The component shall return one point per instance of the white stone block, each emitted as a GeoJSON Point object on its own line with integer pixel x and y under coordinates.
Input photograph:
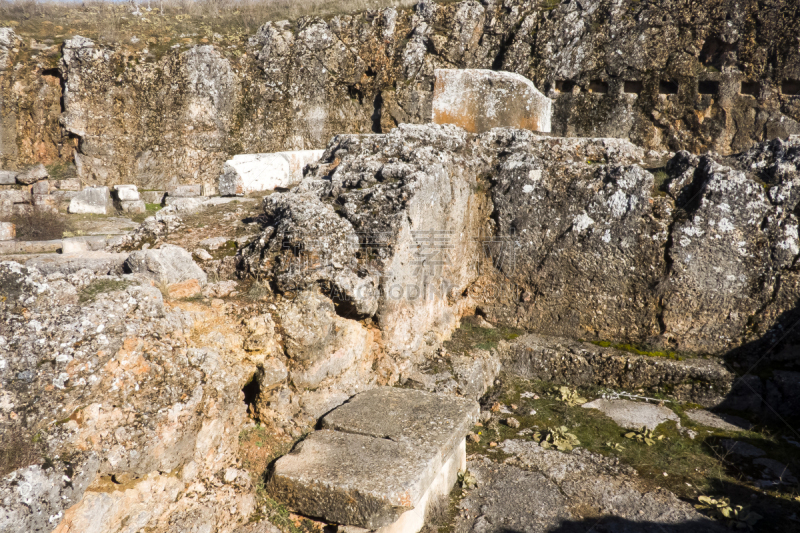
{"type": "Point", "coordinates": [7, 231]}
{"type": "Point", "coordinates": [92, 200]}
{"type": "Point", "coordinates": [479, 100]}
{"type": "Point", "coordinates": [249, 173]}
{"type": "Point", "coordinates": [134, 207]}
{"type": "Point", "coordinates": [127, 193]}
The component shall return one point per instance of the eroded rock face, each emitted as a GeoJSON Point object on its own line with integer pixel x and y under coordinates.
{"type": "Point", "coordinates": [656, 73]}
{"type": "Point", "coordinates": [139, 423]}
{"type": "Point", "coordinates": [386, 225]}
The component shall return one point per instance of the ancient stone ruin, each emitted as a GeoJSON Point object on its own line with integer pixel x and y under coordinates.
{"type": "Point", "coordinates": [479, 100]}
{"type": "Point", "coordinates": [477, 267]}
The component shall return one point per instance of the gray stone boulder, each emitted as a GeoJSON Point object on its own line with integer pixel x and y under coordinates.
{"type": "Point", "coordinates": [479, 100]}
{"type": "Point", "coordinates": [186, 191]}
{"type": "Point", "coordinates": [8, 177]}
{"type": "Point", "coordinates": [92, 200]}
{"type": "Point", "coordinates": [32, 175]}
{"type": "Point", "coordinates": [169, 264]}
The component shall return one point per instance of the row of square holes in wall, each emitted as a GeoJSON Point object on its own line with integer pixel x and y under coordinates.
{"type": "Point", "coordinates": [751, 88]}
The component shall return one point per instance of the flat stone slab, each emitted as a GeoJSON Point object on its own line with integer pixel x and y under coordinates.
{"type": "Point", "coordinates": [101, 263]}
{"type": "Point", "coordinates": [352, 479]}
{"type": "Point", "coordinates": [417, 418]}
{"type": "Point", "coordinates": [633, 415]}
{"type": "Point", "coordinates": [479, 100]}
{"type": "Point", "coordinates": [92, 200]}
{"type": "Point", "coordinates": [719, 421]}
{"type": "Point", "coordinates": [379, 460]}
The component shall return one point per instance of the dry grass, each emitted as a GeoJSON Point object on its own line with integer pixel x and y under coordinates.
{"type": "Point", "coordinates": [160, 24]}
{"type": "Point", "coordinates": [17, 450]}
{"type": "Point", "coordinates": [39, 225]}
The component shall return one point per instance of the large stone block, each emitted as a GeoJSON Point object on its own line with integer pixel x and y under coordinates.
{"type": "Point", "coordinates": [421, 419]}
{"type": "Point", "coordinates": [248, 173]}
{"type": "Point", "coordinates": [379, 461]}
{"type": "Point", "coordinates": [83, 244]}
{"type": "Point", "coordinates": [479, 100]}
{"type": "Point", "coordinates": [126, 193]}
{"type": "Point", "coordinates": [32, 175]}
{"type": "Point", "coordinates": [7, 231]}
{"type": "Point", "coordinates": [8, 177]}
{"type": "Point", "coordinates": [133, 207]}
{"type": "Point", "coordinates": [169, 264]}
{"type": "Point", "coordinates": [153, 197]}
{"type": "Point", "coordinates": [92, 200]}
{"type": "Point", "coordinates": [186, 191]}
{"type": "Point", "coordinates": [16, 196]}
{"type": "Point", "coordinates": [41, 187]}
{"type": "Point", "coordinates": [71, 184]}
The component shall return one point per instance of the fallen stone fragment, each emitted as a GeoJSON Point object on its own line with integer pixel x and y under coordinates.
{"type": "Point", "coordinates": [184, 204]}
{"type": "Point", "coordinates": [92, 200]}
{"type": "Point", "coordinates": [479, 100]}
{"type": "Point", "coordinates": [512, 422]}
{"type": "Point", "coordinates": [32, 175]}
{"type": "Point", "coordinates": [633, 415]}
{"type": "Point", "coordinates": [7, 231]}
{"type": "Point", "coordinates": [202, 254]}
{"type": "Point", "coordinates": [16, 196]}
{"type": "Point", "coordinates": [719, 421]}
{"type": "Point", "coordinates": [169, 264]}
{"type": "Point", "coordinates": [213, 243]}
{"type": "Point", "coordinates": [249, 173]}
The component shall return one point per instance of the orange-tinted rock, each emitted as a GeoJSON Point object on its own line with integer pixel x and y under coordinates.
{"type": "Point", "coordinates": [479, 100]}
{"type": "Point", "coordinates": [184, 289]}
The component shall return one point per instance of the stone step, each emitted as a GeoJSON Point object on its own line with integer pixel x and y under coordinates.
{"type": "Point", "coordinates": [379, 460]}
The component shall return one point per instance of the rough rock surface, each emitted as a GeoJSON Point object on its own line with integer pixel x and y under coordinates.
{"type": "Point", "coordinates": [169, 264]}
{"type": "Point", "coordinates": [298, 84]}
{"type": "Point", "coordinates": [138, 424]}
{"type": "Point", "coordinates": [479, 100]}
{"type": "Point", "coordinates": [567, 485]}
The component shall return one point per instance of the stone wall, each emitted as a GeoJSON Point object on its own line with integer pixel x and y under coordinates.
{"type": "Point", "coordinates": [669, 74]}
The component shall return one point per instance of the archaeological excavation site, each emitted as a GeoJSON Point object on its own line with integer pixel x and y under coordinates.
{"type": "Point", "coordinates": [399, 266]}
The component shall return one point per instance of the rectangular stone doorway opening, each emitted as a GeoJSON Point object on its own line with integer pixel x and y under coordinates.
{"type": "Point", "coordinates": [598, 86]}
{"type": "Point", "coordinates": [633, 87]}
{"type": "Point", "coordinates": [708, 87]}
{"type": "Point", "coordinates": [667, 87]}
{"type": "Point", "coordinates": [790, 87]}
{"type": "Point", "coordinates": [750, 88]}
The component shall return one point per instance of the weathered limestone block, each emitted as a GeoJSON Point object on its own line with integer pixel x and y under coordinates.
{"type": "Point", "coordinates": [92, 200]}
{"type": "Point", "coordinates": [414, 439]}
{"type": "Point", "coordinates": [99, 262]}
{"type": "Point", "coordinates": [248, 173]}
{"type": "Point", "coordinates": [83, 244]}
{"type": "Point", "coordinates": [127, 193]}
{"type": "Point", "coordinates": [32, 175]}
{"type": "Point", "coordinates": [479, 100]}
{"type": "Point", "coordinates": [7, 231]}
{"type": "Point", "coordinates": [71, 184]}
{"type": "Point", "coordinates": [186, 191]}
{"type": "Point", "coordinates": [153, 197]}
{"type": "Point", "coordinates": [8, 177]}
{"type": "Point", "coordinates": [41, 187]}
{"type": "Point", "coordinates": [16, 196]}
{"type": "Point", "coordinates": [133, 207]}
{"type": "Point", "coordinates": [169, 264]}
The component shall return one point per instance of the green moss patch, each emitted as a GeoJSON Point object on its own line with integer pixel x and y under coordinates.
{"type": "Point", "coordinates": [102, 286]}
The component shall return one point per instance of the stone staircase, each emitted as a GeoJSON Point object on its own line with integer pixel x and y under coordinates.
{"type": "Point", "coordinates": [379, 460]}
